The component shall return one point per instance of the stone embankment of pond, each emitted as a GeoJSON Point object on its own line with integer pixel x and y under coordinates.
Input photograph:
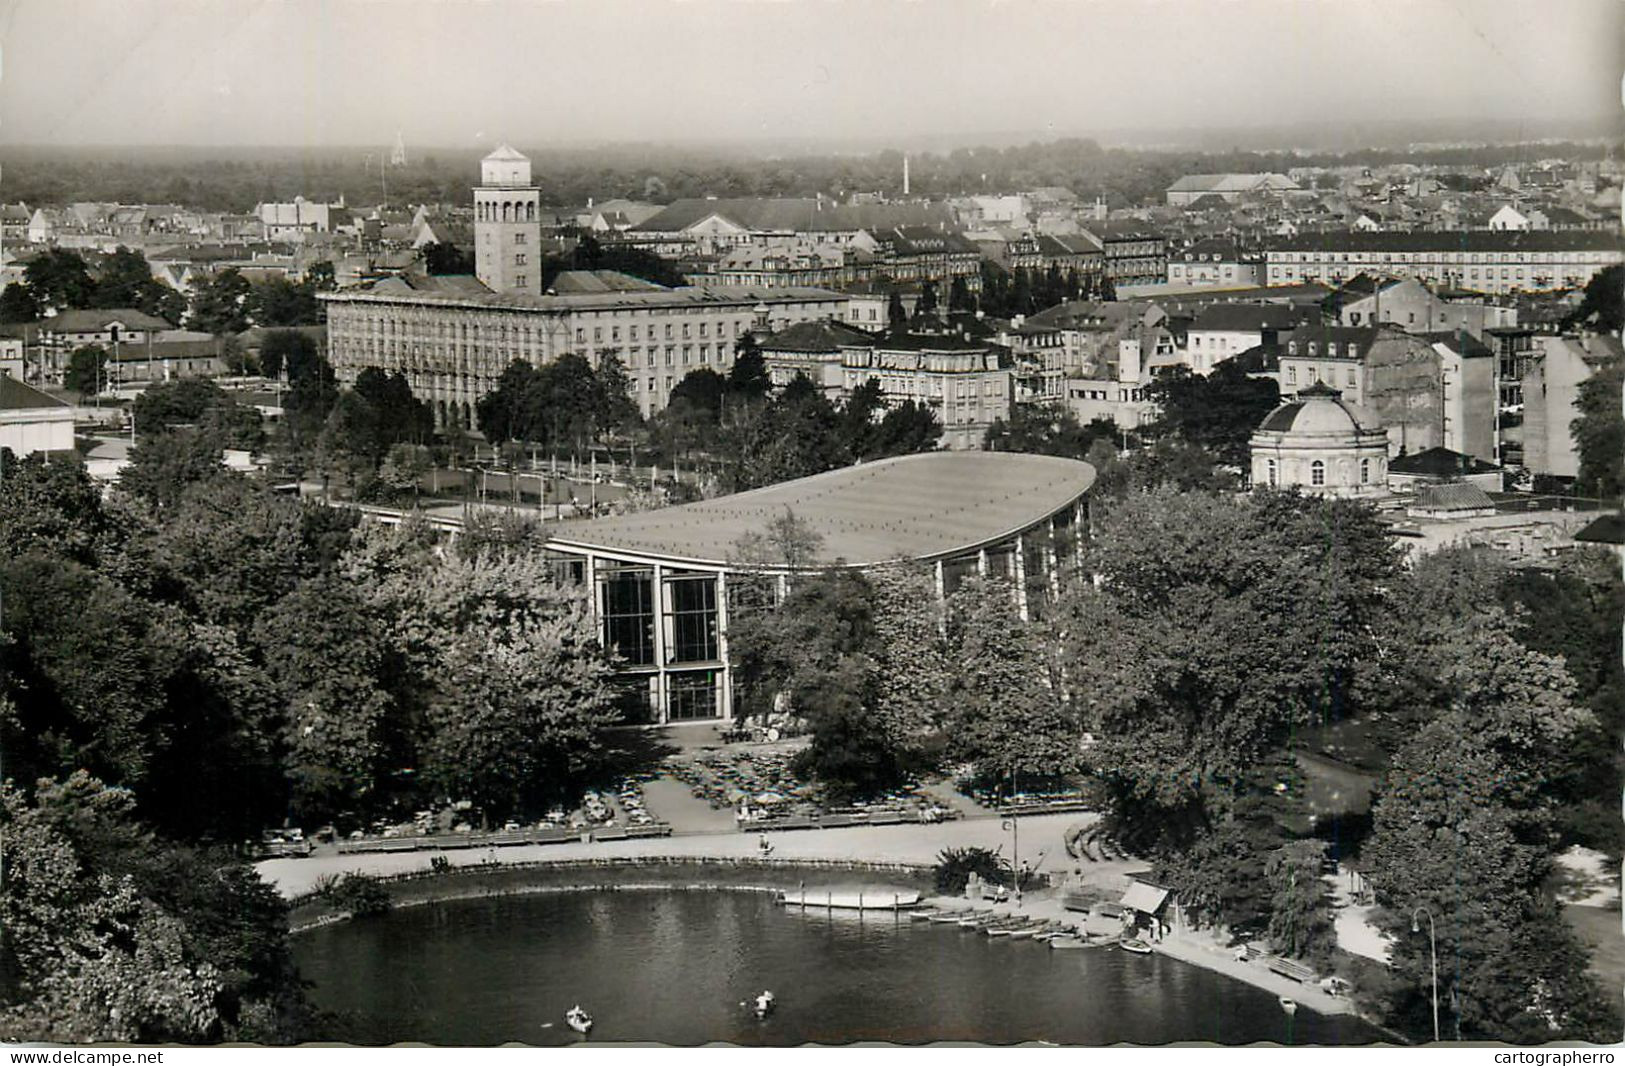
{"type": "Point", "coordinates": [421, 886]}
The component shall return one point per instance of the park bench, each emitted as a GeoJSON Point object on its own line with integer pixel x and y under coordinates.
{"type": "Point", "coordinates": [1294, 971]}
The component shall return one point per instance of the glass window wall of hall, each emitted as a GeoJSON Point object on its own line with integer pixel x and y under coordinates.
{"type": "Point", "coordinates": [691, 695]}
{"type": "Point", "coordinates": [690, 606]}
{"type": "Point", "coordinates": [626, 605]}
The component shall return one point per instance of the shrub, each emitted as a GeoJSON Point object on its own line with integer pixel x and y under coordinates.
{"type": "Point", "coordinates": [955, 865]}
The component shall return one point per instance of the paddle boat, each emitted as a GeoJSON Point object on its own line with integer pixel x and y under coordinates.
{"type": "Point", "coordinates": [1289, 1005]}
{"type": "Point", "coordinates": [764, 1004]}
{"type": "Point", "coordinates": [1135, 945]}
{"type": "Point", "coordinates": [578, 1019]}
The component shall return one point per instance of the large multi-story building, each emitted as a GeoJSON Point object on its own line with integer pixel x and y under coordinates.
{"type": "Point", "coordinates": [1132, 253]}
{"type": "Point", "coordinates": [1216, 261]}
{"type": "Point", "coordinates": [1397, 377]}
{"type": "Point", "coordinates": [968, 383]}
{"type": "Point", "coordinates": [1410, 305]}
{"type": "Point", "coordinates": [1476, 260]}
{"type": "Point", "coordinates": [452, 338]}
{"type": "Point", "coordinates": [1551, 393]}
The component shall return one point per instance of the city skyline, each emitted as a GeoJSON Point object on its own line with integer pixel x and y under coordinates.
{"type": "Point", "coordinates": [307, 73]}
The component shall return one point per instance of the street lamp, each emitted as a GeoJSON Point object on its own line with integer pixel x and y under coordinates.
{"type": "Point", "coordinates": [1433, 946]}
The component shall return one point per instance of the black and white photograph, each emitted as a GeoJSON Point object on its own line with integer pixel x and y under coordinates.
{"type": "Point", "coordinates": [781, 523]}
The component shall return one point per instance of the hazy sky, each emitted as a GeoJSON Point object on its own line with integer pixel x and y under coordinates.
{"type": "Point", "coordinates": [467, 72]}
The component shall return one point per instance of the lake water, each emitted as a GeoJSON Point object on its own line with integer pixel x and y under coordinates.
{"type": "Point", "coordinates": [675, 967]}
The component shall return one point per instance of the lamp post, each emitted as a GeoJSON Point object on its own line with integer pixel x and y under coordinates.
{"type": "Point", "coordinates": [1433, 947]}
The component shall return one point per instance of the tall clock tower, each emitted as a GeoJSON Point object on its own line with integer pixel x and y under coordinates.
{"type": "Point", "coordinates": [507, 224]}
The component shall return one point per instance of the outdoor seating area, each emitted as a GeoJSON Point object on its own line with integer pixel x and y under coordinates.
{"type": "Point", "coordinates": [1058, 797]}
{"type": "Point", "coordinates": [762, 789]}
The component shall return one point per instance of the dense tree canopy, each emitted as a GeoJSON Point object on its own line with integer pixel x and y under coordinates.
{"type": "Point", "coordinates": [1218, 412]}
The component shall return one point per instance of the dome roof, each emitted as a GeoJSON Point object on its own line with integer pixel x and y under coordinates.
{"type": "Point", "coordinates": [1319, 409]}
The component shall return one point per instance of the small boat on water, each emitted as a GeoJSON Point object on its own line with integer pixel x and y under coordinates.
{"type": "Point", "coordinates": [1289, 1005]}
{"type": "Point", "coordinates": [945, 917]}
{"type": "Point", "coordinates": [764, 1004]}
{"type": "Point", "coordinates": [578, 1019]}
{"type": "Point", "coordinates": [1068, 943]}
{"type": "Point", "coordinates": [1135, 945]}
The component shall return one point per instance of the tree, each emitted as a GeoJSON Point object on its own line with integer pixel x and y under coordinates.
{"type": "Point", "coordinates": [927, 306]}
{"type": "Point", "coordinates": [1218, 412]}
{"type": "Point", "coordinates": [1042, 429]}
{"type": "Point", "coordinates": [52, 508]}
{"type": "Point", "coordinates": [959, 297]}
{"type": "Point", "coordinates": [83, 674]}
{"type": "Point", "coordinates": [858, 417]}
{"type": "Point", "coordinates": [1005, 714]}
{"type": "Point", "coordinates": [163, 465]}
{"type": "Point", "coordinates": [112, 934]}
{"type": "Point", "coordinates": [1204, 653]}
{"type": "Point", "coordinates": [794, 434]}
{"type": "Point", "coordinates": [520, 712]}
{"type": "Point", "coordinates": [405, 467]}
{"type": "Point", "coordinates": [896, 313]}
{"type": "Point", "coordinates": [913, 673]}
{"type": "Point", "coordinates": [321, 277]}
{"type": "Point", "coordinates": [443, 259]}
{"type": "Point", "coordinates": [1599, 431]}
{"type": "Point", "coordinates": [287, 349]}
{"type": "Point", "coordinates": [905, 429]}
{"type": "Point", "coordinates": [1445, 836]}
{"type": "Point", "coordinates": [851, 755]}
{"type": "Point", "coordinates": [86, 372]}
{"type": "Point", "coordinates": [1603, 306]}
{"type": "Point", "coordinates": [748, 378]}
{"type": "Point", "coordinates": [125, 279]}
{"type": "Point", "coordinates": [18, 304]}
{"type": "Point", "coordinates": [701, 392]}
{"type": "Point", "coordinates": [1300, 905]}
{"type": "Point", "coordinates": [278, 302]}
{"type": "Point", "coordinates": [220, 304]}
{"type": "Point", "coordinates": [325, 657]}
{"type": "Point", "coordinates": [58, 278]}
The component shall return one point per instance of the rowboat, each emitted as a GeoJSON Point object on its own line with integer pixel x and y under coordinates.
{"type": "Point", "coordinates": [578, 1019]}
{"type": "Point", "coordinates": [1136, 946]}
{"type": "Point", "coordinates": [1289, 1005]}
{"type": "Point", "coordinates": [1068, 943]}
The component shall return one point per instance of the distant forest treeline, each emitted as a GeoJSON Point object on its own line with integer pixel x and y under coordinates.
{"type": "Point", "coordinates": [228, 179]}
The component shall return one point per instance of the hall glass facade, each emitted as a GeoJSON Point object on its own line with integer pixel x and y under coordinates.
{"type": "Point", "coordinates": [667, 620]}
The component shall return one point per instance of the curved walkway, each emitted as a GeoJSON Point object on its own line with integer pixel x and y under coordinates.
{"type": "Point", "coordinates": [1041, 848]}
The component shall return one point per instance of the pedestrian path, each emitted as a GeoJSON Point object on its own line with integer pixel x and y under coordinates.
{"type": "Point", "coordinates": [906, 843]}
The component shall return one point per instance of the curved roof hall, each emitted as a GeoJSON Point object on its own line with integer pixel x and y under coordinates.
{"type": "Point", "coordinates": [926, 506]}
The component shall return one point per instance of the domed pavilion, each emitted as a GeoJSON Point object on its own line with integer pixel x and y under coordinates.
{"type": "Point", "coordinates": [1323, 445]}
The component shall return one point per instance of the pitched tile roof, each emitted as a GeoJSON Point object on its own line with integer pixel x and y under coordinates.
{"type": "Point", "coordinates": [95, 321]}
{"type": "Point", "coordinates": [823, 336]}
{"type": "Point", "coordinates": [1439, 462]}
{"type": "Point", "coordinates": [16, 396]}
{"type": "Point", "coordinates": [1455, 496]}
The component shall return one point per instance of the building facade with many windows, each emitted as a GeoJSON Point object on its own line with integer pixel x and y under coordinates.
{"type": "Point", "coordinates": [665, 584]}
{"type": "Point", "coordinates": [1475, 260]}
{"type": "Point", "coordinates": [453, 342]}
